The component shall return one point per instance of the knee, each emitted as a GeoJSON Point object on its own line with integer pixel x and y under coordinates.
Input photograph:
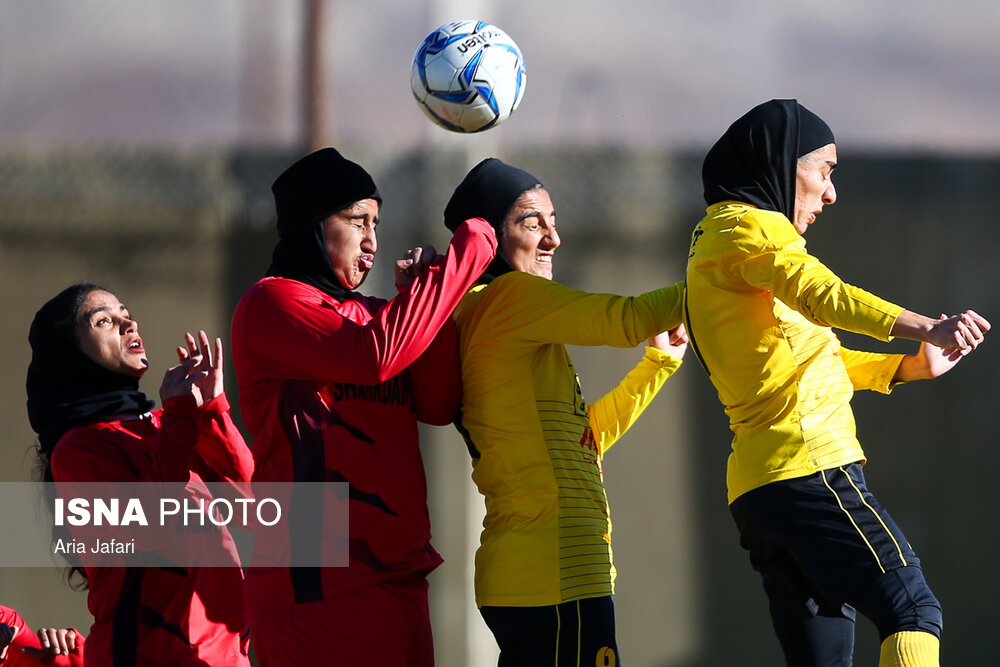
{"type": "Point", "coordinates": [912, 605]}
{"type": "Point", "coordinates": [926, 618]}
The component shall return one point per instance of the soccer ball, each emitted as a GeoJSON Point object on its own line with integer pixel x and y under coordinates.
{"type": "Point", "coordinates": [468, 76]}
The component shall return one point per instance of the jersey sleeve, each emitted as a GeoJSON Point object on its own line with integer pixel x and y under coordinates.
{"type": "Point", "coordinates": [221, 450]}
{"type": "Point", "coordinates": [871, 370]}
{"type": "Point", "coordinates": [540, 311]}
{"type": "Point", "coordinates": [615, 412]}
{"type": "Point", "coordinates": [436, 379]}
{"type": "Point", "coordinates": [290, 333]}
{"type": "Point", "coordinates": [775, 259]}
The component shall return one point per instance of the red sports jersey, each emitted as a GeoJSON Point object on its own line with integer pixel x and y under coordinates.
{"type": "Point", "coordinates": [332, 391]}
{"type": "Point", "coordinates": [26, 638]}
{"type": "Point", "coordinates": [150, 615]}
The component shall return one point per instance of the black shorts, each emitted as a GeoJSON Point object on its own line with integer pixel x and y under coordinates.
{"type": "Point", "coordinates": [572, 634]}
{"type": "Point", "coordinates": [825, 547]}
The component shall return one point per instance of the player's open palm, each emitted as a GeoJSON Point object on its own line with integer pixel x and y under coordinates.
{"type": "Point", "coordinates": [199, 373]}
{"type": "Point", "coordinates": [208, 366]}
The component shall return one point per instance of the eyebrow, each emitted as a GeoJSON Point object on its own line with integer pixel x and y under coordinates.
{"type": "Point", "coordinates": [364, 216]}
{"type": "Point", "coordinates": [101, 309]}
{"type": "Point", "coordinates": [533, 213]}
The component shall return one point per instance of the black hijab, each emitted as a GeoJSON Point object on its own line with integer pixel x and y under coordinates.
{"type": "Point", "coordinates": [755, 160]}
{"type": "Point", "coordinates": [66, 388]}
{"type": "Point", "coordinates": [305, 194]}
{"type": "Point", "coordinates": [488, 191]}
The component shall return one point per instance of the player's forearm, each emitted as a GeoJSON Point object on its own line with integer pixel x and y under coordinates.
{"type": "Point", "coordinates": [912, 367]}
{"type": "Point", "coordinates": [913, 326]}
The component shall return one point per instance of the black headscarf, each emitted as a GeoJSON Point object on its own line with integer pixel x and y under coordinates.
{"type": "Point", "coordinates": [66, 388]}
{"type": "Point", "coordinates": [755, 160]}
{"type": "Point", "coordinates": [488, 191]}
{"type": "Point", "coordinates": [305, 194]}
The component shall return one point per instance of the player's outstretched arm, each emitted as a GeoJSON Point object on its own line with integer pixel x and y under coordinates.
{"type": "Point", "coordinates": [964, 331]}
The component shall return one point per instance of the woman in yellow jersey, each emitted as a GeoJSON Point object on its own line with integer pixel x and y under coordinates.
{"type": "Point", "coordinates": [544, 572]}
{"type": "Point", "coordinates": [759, 311]}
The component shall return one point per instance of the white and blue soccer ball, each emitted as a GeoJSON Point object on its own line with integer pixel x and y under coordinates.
{"type": "Point", "coordinates": [468, 76]}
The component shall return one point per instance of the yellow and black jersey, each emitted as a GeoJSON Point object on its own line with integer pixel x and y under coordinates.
{"type": "Point", "coordinates": [537, 445]}
{"type": "Point", "coordinates": [759, 311]}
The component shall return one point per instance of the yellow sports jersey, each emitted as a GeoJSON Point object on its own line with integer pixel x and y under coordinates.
{"type": "Point", "coordinates": [537, 446]}
{"type": "Point", "coordinates": [759, 310]}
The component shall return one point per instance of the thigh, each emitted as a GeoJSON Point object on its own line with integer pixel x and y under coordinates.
{"type": "Point", "coordinates": [598, 645]}
{"type": "Point", "coordinates": [570, 634]}
{"type": "Point", "coordinates": [900, 600]}
{"type": "Point", "coordinates": [812, 632]}
{"type": "Point", "coordinates": [830, 525]}
{"type": "Point", "coordinates": [813, 628]}
{"type": "Point", "coordinates": [863, 558]}
{"type": "Point", "coordinates": [840, 545]}
{"type": "Point", "coordinates": [526, 636]}
{"type": "Point", "coordinates": [421, 647]}
{"type": "Point", "coordinates": [380, 625]}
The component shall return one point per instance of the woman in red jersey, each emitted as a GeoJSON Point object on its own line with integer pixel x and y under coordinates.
{"type": "Point", "coordinates": [332, 385]}
{"type": "Point", "coordinates": [94, 425]}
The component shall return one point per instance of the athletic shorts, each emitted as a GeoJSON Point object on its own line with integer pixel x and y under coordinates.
{"type": "Point", "coordinates": [572, 634]}
{"type": "Point", "coordinates": [825, 547]}
{"type": "Point", "coordinates": [388, 624]}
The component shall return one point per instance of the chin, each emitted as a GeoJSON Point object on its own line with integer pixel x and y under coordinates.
{"type": "Point", "coordinates": [353, 282]}
{"type": "Point", "coordinates": [136, 372]}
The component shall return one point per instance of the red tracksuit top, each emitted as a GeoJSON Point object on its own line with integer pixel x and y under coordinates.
{"type": "Point", "coordinates": [332, 391]}
{"type": "Point", "coordinates": [151, 615]}
{"type": "Point", "coordinates": [26, 638]}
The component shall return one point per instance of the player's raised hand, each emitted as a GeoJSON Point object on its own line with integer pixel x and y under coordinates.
{"type": "Point", "coordinates": [199, 373]}
{"type": "Point", "coordinates": [413, 263]}
{"type": "Point", "coordinates": [930, 361]}
{"type": "Point", "coordinates": [208, 367]}
{"type": "Point", "coordinates": [964, 331]}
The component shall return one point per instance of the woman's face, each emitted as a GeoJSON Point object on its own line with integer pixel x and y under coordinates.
{"type": "Point", "coordinates": [351, 241]}
{"type": "Point", "coordinates": [109, 336]}
{"type": "Point", "coordinates": [529, 238]}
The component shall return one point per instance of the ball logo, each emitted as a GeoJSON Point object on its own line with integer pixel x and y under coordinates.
{"type": "Point", "coordinates": [480, 39]}
{"type": "Point", "coordinates": [605, 657]}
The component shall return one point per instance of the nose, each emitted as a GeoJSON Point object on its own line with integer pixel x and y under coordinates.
{"type": "Point", "coordinates": [551, 238]}
{"type": "Point", "coordinates": [130, 326]}
{"type": "Point", "coordinates": [830, 194]}
{"type": "Point", "coordinates": [369, 242]}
